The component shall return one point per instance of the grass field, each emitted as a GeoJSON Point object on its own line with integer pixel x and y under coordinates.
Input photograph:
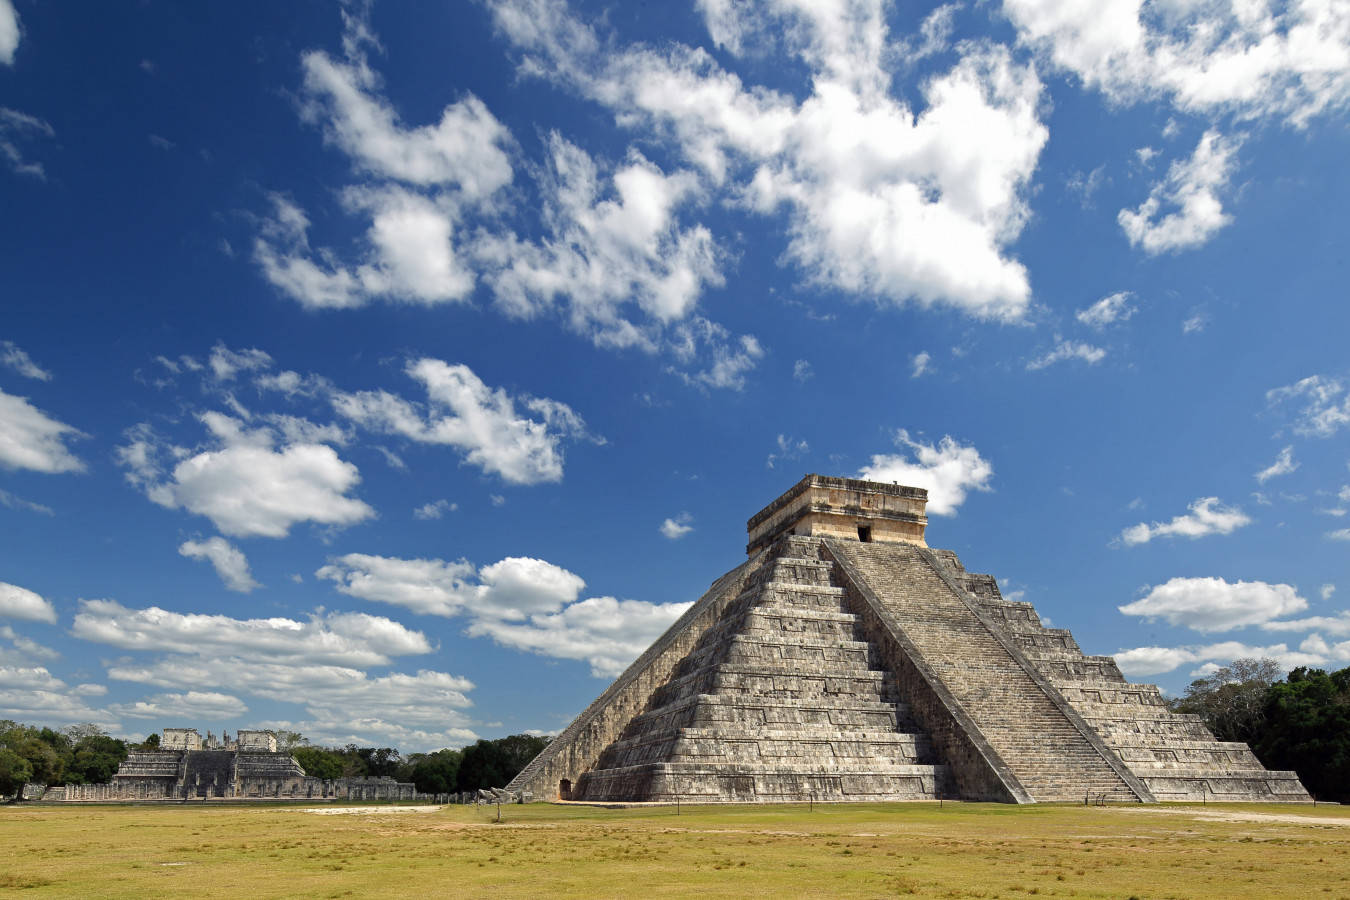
{"type": "Point", "coordinates": [881, 850]}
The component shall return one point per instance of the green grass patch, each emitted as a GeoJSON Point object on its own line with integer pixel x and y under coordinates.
{"type": "Point", "coordinates": [872, 850]}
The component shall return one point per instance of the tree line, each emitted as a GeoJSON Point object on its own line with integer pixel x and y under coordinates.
{"type": "Point", "coordinates": [84, 754]}
{"type": "Point", "coordinates": [1299, 722]}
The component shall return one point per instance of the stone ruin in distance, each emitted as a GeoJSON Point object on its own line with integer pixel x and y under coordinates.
{"type": "Point", "coordinates": [846, 660]}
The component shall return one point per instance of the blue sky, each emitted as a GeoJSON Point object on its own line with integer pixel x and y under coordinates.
{"type": "Point", "coordinates": [396, 373]}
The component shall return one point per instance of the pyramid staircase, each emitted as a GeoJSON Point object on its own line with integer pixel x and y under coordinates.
{"type": "Point", "coordinates": [1174, 754]}
{"type": "Point", "coordinates": [781, 699]}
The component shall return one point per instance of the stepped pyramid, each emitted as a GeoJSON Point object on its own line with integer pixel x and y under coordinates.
{"type": "Point", "coordinates": [845, 660]}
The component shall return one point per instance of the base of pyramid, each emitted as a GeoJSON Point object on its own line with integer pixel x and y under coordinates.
{"type": "Point", "coordinates": [700, 783]}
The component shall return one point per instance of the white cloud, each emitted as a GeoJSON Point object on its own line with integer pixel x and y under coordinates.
{"type": "Point", "coordinates": [481, 422]}
{"type": "Point", "coordinates": [242, 484]}
{"type": "Point", "coordinates": [9, 501]}
{"type": "Point", "coordinates": [230, 564]}
{"type": "Point", "coordinates": [434, 510]}
{"type": "Point", "coordinates": [605, 250]}
{"type": "Point", "coordinates": [30, 439]}
{"type": "Point", "coordinates": [466, 149]}
{"type": "Point", "coordinates": [22, 650]}
{"type": "Point", "coordinates": [884, 202]}
{"type": "Point", "coordinates": [678, 527]}
{"type": "Point", "coordinates": [32, 694]}
{"type": "Point", "coordinates": [788, 448]}
{"type": "Point", "coordinates": [1066, 350]}
{"type": "Point", "coordinates": [511, 588]}
{"type": "Point", "coordinates": [1253, 60]}
{"type": "Point", "coordinates": [1194, 324]}
{"type": "Point", "coordinates": [1207, 516]}
{"type": "Point", "coordinates": [1327, 591]}
{"type": "Point", "coordinates": [21, 603]}
{"type": "Point", "coordinates": [728, 360]}
{"type": "Point", "coordinates": [345, 704]}
{"type": "Point", "coordinates": [919, 362]}
{"type": "Point", "coordinates": [191, 706]}
{"type": "Point", "coordinates": [226, 364]}
{"type": "Point", "coordinates": [348, 639]}
{"type": "Point", "coordinates": [1155, 660]}
{"type": "Point", "coordinates": [15, 128]}
{"type": "Point", "coordinates": [605, 632]}
{"type": "Point", "coordinates": [14, 356]}
{"type": "Point", "coordinates": [1325, 404]}
{"type": "Point", "coordinates": [802, 372]}
{"type": "Point", "coordinates": [1212, 604]}
{"type": "Point", "coordinates": [528, 604]}
{"type": "Point", "coordinates": [1283, 465]}
{"type": "Point", "coordinates": [1340, 534]}
{"type": "Point", "coordinates": [1338, 624]}
{"type": "Point", "coordinates": [1191, 191]}
{"type": "Point", "coordinates": [948, 471]}
{"type": "Point", "coordinates": [1106, 311]}
{"type": "Point", "coordinates": [9, 32]}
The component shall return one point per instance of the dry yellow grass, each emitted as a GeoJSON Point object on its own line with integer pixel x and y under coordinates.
{"type": "Point", "coordinates": [881, 850]}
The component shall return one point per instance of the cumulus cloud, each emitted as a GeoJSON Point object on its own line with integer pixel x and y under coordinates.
{"type": "Point", "coordinates": [1283, 465]}
{"type": "Point", "coordinates": [343, 639]}
{"type": "Point", "coordinates": [230, 564]}
{"type": "Point", "coordinates": [1323, 405]}
{"type": "Point", "coordinates": [678, 527]}
{"type": "Point", "coordinates": [9, 32]}
{"type": "Point", "coordinates": [520, 602]}
{"type": "Point", "coordinates": [919, 363]}
{"type": "Point", "coordinates": [17, 358]}
{"type": "Point", "coordinates": [482, 422]}
{"type": "Point", "coordinates": [434, 510]}
{"type": "Point", "coordinates": [1191, 193]}
{"type": "Point", "coordinates": [193, 705]}
{"type": "Point", "coordinates": [1142, 661]}
{"type": "Point", "coordinates": [243, 482]}
{"type": "Point", "coordinates": [802, 371]}
{"type": "Point", "coordinates": [607, 633]}
{"type": "Point", "coordinates": [728, 360]}
{"type": "Point", "coordinates": [1207, 516]}
{"type": "Point", "coordinates": [606, 247]}
{"type": "Point", "coordinates": [344, 704]}
{"type": "Point", "coordinates": [21, 603]}
{"type": "Point", "coordinates": [1212, 604]}
{"type": "Point", "coordinates": [225, 363]}
{"type": "Point", "coordinates": [948, 471]}
{"type": "Point", "coordinates": [1340, 534]}
{"type": "Point", "coordinates": [30, 439]}
{"type": "Point", "coordinates": [1066, 350]}
{"type": "Point", "coordinates": [1107, 311]}
{"type": "Point", "coordinates": [33, 694]}
{"type": "Point", "coordinates": [1251, 60]}
{"type": "Point", "coordinates": [907, 208]}
{"type": "Point", "coordinates": [22, 650]}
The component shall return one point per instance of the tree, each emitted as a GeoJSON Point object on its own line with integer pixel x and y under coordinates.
{"type": "Point", "coordinates": [318, 762]}
{"type": "Point", "coordinates": [1232, 699]}
{"type": "Point", "coordinates": [489, 764]}
{"type": "Point", "coordinates": [287, 741]}
{"type": "Point", "coordinates": [151, 741]}
{"type": "Point", "coordinates": [1307, 729]}
{"type": "Point", "coordinates": [95, 759]}
{"type": "Point", "coordinates": [436, 773]}
{"type": "Point", "coordinates": [15, 772]}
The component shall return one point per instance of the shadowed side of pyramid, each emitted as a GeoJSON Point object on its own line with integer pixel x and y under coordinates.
{"type": "Point", "coordinates": [847, 661]}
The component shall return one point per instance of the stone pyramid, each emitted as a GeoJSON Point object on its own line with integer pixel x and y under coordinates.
{"type": "Point", "coordinates": [845, 660]}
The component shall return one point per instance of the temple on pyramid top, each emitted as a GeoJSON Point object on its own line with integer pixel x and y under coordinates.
{"type": "Point", "coordinates": [845, 660]}
{"type": "Point", "coordinates": [845, 508]}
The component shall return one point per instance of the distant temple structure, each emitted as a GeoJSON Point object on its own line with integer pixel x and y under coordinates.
{"type": "Point", "coordinates": [247, 767]}
{"type": "Point", "coordinates": [845, 660]}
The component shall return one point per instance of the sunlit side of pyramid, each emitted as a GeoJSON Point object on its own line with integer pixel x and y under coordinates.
{"type": "Point", "coordinates": [845, 660]}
